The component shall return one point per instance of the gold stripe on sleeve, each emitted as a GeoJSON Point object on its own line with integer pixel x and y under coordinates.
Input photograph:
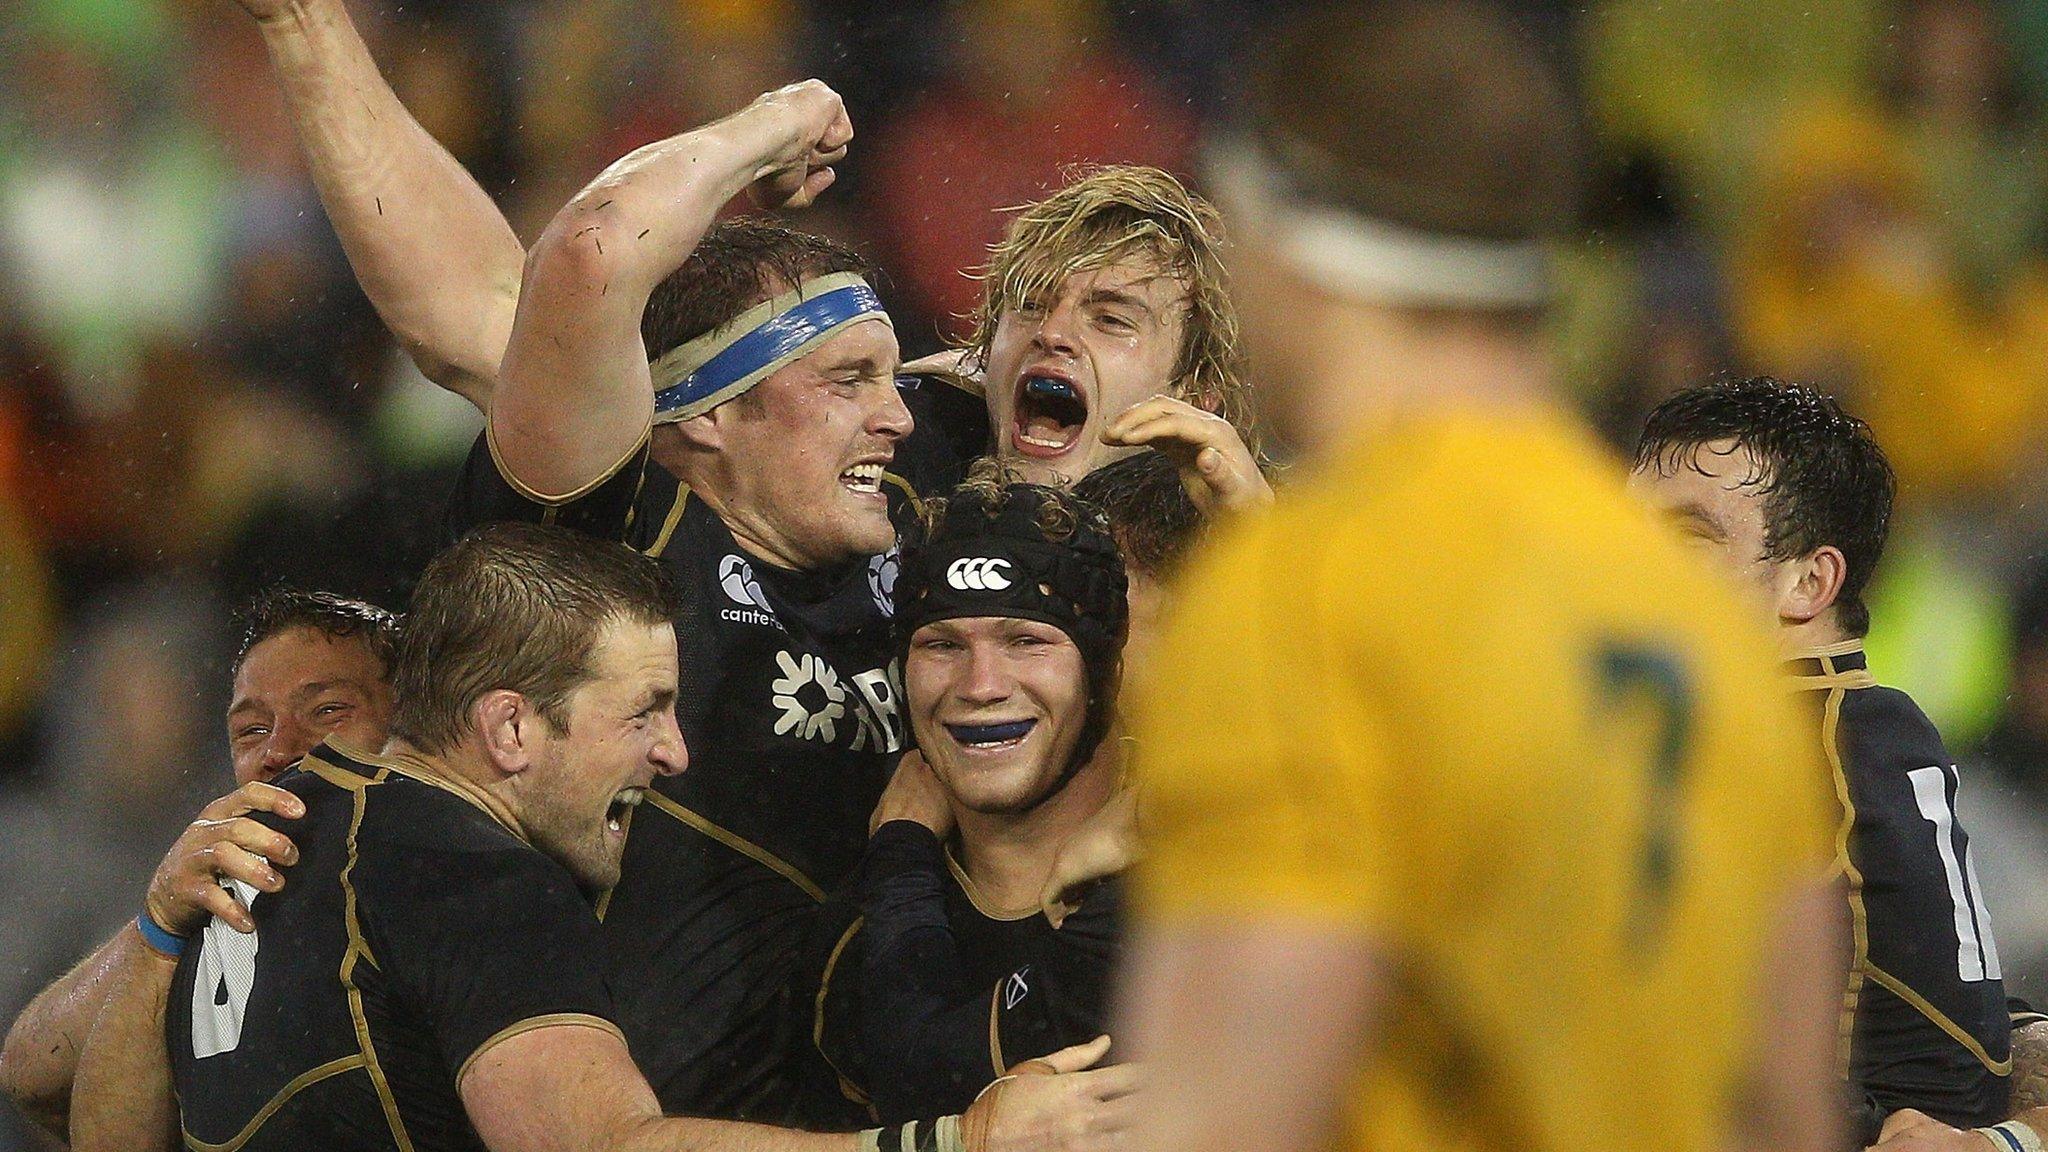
{"type": "Point", "coordinates": [552, 502]}
{"type": "Point", "coordinates": [533, 1024]}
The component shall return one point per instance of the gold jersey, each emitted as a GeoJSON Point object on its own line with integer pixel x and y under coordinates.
{"type": "Point", "coordinates": [1459, 692]}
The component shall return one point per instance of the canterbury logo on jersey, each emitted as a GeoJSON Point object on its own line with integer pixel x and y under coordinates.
{"type": "Point", "coordinates": [978, 574]}
{"type": "Point", "coordinates": [736, 577]}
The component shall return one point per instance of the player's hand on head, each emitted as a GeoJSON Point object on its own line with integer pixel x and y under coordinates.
{"type": "Point", "coordinates": [1908, 1130]}
{"type": "Point", "coordinates": [914, 793]}
{"type": "Point", "coordinates": [224, 843]}
{"type": "Point", "coordinates": [1057, 1103]}
{"type": "Point", "coordinates": [1215, 465]}
{"type": "Point", "coordinates": [811, 132]}
{"type": "Point", "coordinates": [959, 363]}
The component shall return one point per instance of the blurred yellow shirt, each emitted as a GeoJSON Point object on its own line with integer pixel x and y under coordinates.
{"type": "Point", "coordinates": [1458, 691]}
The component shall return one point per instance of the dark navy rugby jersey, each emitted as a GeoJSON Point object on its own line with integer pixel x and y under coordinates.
{"type": "Point", "coordinates": [788, 703]}
{"type": "Point", "coordinates": [1927, 1024]}
{"type": "Point", "coordinates": [414, 932]}
{"type": "Point", "coordinates": [915, 997]}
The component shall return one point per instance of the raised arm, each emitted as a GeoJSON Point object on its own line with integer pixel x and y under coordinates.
{"type": "Point", "coordinates": [41, 1056]}
{"type": "Point", "coordinates": [575, 395]}
{"type": "Point", "coordinates": [432, 252]}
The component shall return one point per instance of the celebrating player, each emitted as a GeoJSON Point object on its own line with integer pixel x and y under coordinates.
{"type": "Point", "coordinates": [936, 973]}
{"type": "Point", "coordinates": [432, 977]}
{"type": "Point", "coordinates": [313, 666]}
{"type": "Point", "coordinates": [770, 521]}
{"type": "Point", "coordinates": [1795, 496]}
{"type": "Point", "coordinates": [1451, 760]}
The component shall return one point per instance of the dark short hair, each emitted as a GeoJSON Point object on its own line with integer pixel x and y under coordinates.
{"type": "Point", "coordinates": [1441, 115]}
{"type": "Point", "coordinates": [1823, 478]}
{"type": "Point", "coordinates": [737, 264]}
{"type": "Point", "coordinates": [517, 607]}
{"type": "Point", "coordinates": [280, 609]}
{"type": "Point", "coordinates": [1150, 513]}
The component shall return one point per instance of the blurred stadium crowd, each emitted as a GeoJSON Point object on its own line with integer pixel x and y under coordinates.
{"type": "Point", "coordinates": [195, 400]}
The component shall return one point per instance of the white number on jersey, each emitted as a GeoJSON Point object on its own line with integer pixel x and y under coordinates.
{"type": "Point", "coordinates": [227, 974]}
{"type": "Point", "coordinates": [1976, 951]}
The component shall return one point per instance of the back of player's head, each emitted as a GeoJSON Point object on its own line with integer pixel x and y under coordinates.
{"type": "Point", "coordinates": [1822, 476]}
{"type": "Point", "coordinates": [277, 610]}
{"type": "Point", "coordinates": [1104, 216]}
{"type": "Point", "coordinates": [1410, 152]}
{"type": "Point", "coordinates": [1150, 513]}
{"type": "Point", "coordinates": [515, 607]}
{"type": "Point", "coordinates": [738, 264]}
{"type": "Point", "coordinates": [995, 546]}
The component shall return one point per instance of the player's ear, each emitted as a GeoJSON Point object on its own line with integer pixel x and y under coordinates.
{"type": "Point", "coordinates": [1821, 576]}
{"type": "Point", "coordinates": [704, 432]}
{"type": "Point", "coordinates": [506, 723]}
{"type": "Point", "coordinates": [1191, 389]}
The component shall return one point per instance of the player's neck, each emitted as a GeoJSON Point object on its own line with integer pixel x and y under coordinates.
{"type": "Point", "coordinates": [1386, 365]}
{"type": "Point", "coordinates": [468, 775]}
{"type": "Point", "coordinates": [1823, 631]}
{"type": "Point", "coordinates": [1009, 857]}
{"type": "Point", "coordinates": [709, 480]}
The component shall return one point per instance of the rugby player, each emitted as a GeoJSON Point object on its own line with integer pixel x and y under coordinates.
{"type": "Point", "coordinates": [438, 983]}
{"type": "Point", "coordinates": [1100, 299]}
{"type": "Point", "coordinates": [1793, 495]}
{"type": "Point", "coordinates": [935, 972]}
{"type": "Point", "coordinates": [787, 633]}
{"type": "Point", "coordinates": [1450, 759]}
{"type": "Point", "coordinates": [312, 666]}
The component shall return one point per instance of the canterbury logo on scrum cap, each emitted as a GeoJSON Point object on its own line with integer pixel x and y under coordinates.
{"type": "Point", "coordinates": [978, 574]}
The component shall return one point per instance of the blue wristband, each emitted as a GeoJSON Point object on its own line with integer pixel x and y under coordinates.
{"type": "Point", "coordinates": [158, 938]}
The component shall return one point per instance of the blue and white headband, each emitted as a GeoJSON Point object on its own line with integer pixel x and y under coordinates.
{"type": "Point", "coordinates": [696, 377]}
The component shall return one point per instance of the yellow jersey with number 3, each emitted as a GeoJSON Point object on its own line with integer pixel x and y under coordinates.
{"type": "Point", "coordinates": [1458, 691]}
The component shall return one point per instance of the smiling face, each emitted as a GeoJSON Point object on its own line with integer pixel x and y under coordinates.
{"type": "Point", "coordinates": [998, 705]}
{"type": "Point", "coordinates": [1063, 365]}
{"type": "Point", "coordinates": [802, 453]}
{"type": "Point", "coordinates": [300, 687]}
{"type": "Point", "coordinates": [620, 733]}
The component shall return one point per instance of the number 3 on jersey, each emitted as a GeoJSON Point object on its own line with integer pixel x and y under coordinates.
{"type": "Point", "coordinates": [221, 987]}
{"type": "Point", "coordinates": [1633, 674]}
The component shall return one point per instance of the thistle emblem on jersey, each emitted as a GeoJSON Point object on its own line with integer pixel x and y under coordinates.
{"type": "Point", "coordinates": [882, 581]}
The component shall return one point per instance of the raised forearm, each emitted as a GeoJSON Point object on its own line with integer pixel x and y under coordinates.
{"type": "Point", "coordinates": [124, 1100]}
{"type": "Point", "coordinates": [575, 393]}
{"type": "Point", "coordinates": [432, 252]}
{"type": "Point", "coordinates": [40, 1058]}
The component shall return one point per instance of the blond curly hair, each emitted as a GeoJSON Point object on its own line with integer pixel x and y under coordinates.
{"type": "Point", "coordinates": [1106, 214]}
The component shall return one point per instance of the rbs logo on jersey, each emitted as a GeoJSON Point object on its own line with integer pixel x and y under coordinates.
{"type": "Point", "coordinates": [814, 704]}
{"type": "Point", "coordinates": [978, 574]}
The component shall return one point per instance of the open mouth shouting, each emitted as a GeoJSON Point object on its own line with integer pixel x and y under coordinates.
{"type": "Point", "coordinates": [623, 802]}
{"type": "Point", "coordinates": [991, 737]}
{"type": "Point", "coordinates": [1051, 411]}
{"type": "Point", "coordinates": [864, 479]}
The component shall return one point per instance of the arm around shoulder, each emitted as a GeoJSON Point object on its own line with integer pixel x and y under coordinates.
{"type": "Point", "coordinates": [573, 1086]}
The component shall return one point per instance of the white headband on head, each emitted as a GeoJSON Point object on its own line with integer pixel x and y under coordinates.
{"type": "Point", "coordinates": [1372, 259]}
